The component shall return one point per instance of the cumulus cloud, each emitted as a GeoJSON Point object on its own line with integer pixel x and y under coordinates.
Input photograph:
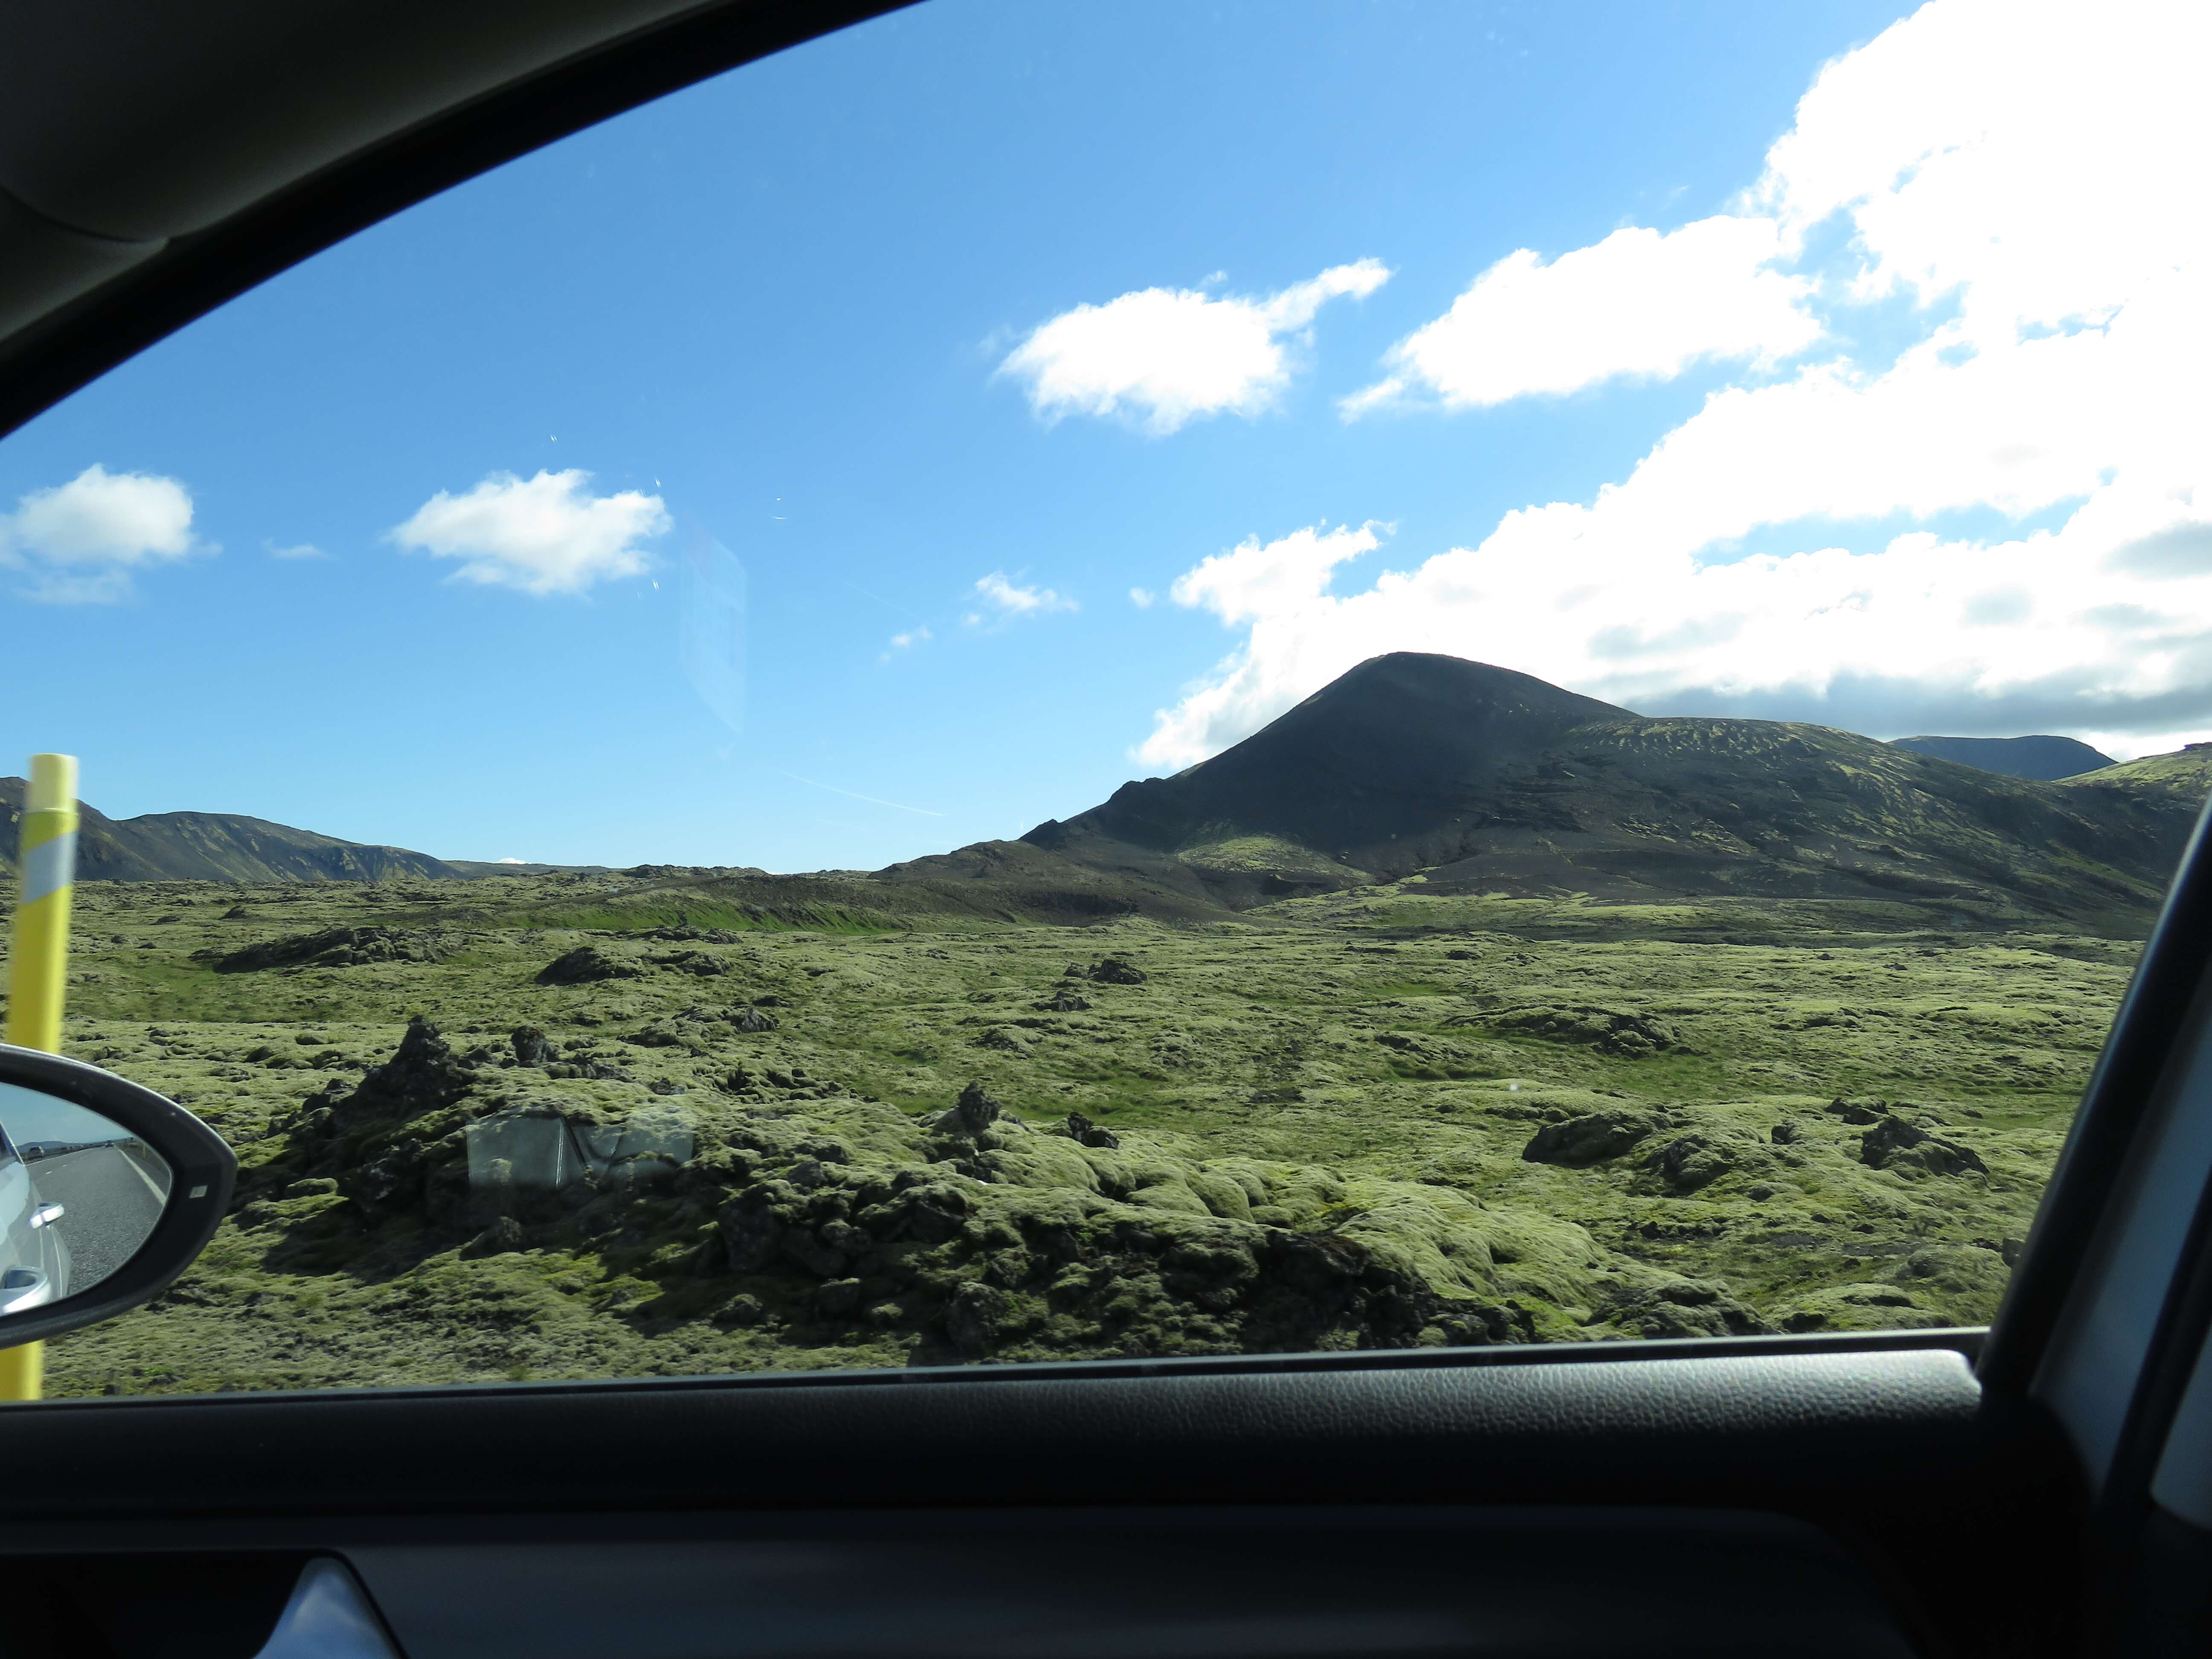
{"type": "Point", "coordinates": [2055, 277]}
{"type": "Point", "coordinates": [1010, 599]}
{"type": "Point", "coordinates": [1163, 357]}
{"type": "Point", "coordinates": [80, 542]}
{"type": "Point", "coordinates": [1638, 304]}
{"type": "Point", "coordinates": [547, 534]}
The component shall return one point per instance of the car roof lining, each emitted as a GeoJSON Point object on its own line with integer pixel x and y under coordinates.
{"type": "Point", "coordinates": [156, 162]}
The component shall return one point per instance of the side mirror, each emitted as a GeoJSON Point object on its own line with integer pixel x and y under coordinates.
{"type": "Point", "coordinates": [107, 1192]}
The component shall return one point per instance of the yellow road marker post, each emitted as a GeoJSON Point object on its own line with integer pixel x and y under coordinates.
{"type": "Point", "coordinates": [45, 852]}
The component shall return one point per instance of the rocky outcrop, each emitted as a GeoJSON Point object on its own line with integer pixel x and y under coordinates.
{"type": "Point", "coordinates": [587, 964]}
{"type": "Point", "coordinates": [1895, 1144]}
{"type": "Point", "coordinates": [1590, 1138]}
{"type": "Point", "coordinates": [338, 947]}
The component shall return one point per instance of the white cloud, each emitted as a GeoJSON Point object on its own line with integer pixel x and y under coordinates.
{"type": "Point", "coordinates": [1636, 304]}
{"type": "Point", "coordinates": [2037, 178]}
{"type": "Point", "coordinates": [1166, 357]}
{"type": "Point", "coordinates": [80, 542]}
{"type": "Point", "coordinates": [302, 550]}
{"type": "Point", "coordinates": [544, 535]}
{"type": "Point", "coordinates": [912, 636]}
{"type": "Point", "coordinates": [1012, 600]}
{"type": "Point", "coordinates": [1142, 598]}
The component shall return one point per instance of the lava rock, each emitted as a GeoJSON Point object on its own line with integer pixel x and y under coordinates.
{"type": "Point", "coordinates": [742, 1310]}
{"type": "Point", "coordinates": [422, 1076]}
{"type": "Point", "coordinates": [587, 965]}
{"type": "Point", "coordinates": [971, 1115]}
{"type": "Point", "coordinates": [336, 947]}
{"type": "Point", "coordinates": [1112, 970]}
{"type": "Point", "coordinates": [503, 1236]}
{"type": "Point", "coordinates": [1691, 1162]}
{"type": "Point", "coordinates": [1892, 1144]}
{"type": "Point", "coordinates": [1691, 1307]}
{"type": "Point", "coordinates": [1590, 1139]}
{"type": "Point", "coordinates": [1081, 1128]}
{"type": "Point", "coordinates": [1610, 1030]}
{"type": "Point", "coordinates": [975, 1316]}
{"type": "Point", "coordinates": [753, 1022]}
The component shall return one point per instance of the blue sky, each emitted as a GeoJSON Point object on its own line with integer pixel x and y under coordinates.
{"type": "Point", "coordinates": [785, 312]}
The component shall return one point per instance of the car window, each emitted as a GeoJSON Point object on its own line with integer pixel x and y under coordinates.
{"type": "Point", "coordinates": [1055, 682]}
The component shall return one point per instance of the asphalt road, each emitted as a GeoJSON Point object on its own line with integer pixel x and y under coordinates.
{"type": "Point", "coordinates": [111, 1202]}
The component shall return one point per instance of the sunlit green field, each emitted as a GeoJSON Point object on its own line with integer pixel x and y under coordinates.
{"type": "Point", "coordinates": [1750, 1115]}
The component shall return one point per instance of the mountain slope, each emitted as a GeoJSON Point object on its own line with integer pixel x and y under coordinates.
{"type": "Point", "coordinates": [2047, 758]}
{"type": "Point", "coordinates": [1486, 780]}
{"type": "Point", "coordinates": [1379, 773]}
{"type": "Point", "coordinates": [2183, 776]}
{"type": "Point", "coordinates": [215, 847]}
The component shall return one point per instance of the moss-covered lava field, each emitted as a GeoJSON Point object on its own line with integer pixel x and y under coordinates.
{"type": "Point", "coordinates": [643, 1124]}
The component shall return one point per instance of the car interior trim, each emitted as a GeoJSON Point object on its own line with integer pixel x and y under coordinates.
{"type": "Point", "coordinates": [152, 293]}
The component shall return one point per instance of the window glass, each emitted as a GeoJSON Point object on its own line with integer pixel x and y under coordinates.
{"type": "Point", "coordinates": [1093, 680]}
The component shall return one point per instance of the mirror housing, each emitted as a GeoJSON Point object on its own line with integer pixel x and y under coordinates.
{"type": "Point", "coordinates": [201, 1170]}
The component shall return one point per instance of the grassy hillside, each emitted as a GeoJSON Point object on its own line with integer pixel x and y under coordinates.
{"type": "Point", "coordinates": [213, 847]}
{"type": "Point", "coordinates": [780, 1136]}
{"type": "Point", "coordinates": [1491, 782]}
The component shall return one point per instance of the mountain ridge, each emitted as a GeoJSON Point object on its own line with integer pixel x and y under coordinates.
{"type": "Point", "coordinates": [215, 847]}
{"type": "Point", "coordinates": [2045, 757]}
{"type": "Point", "coordinates": [1462, 777]}
{"type": "Point", "coordinates": [1533, 791]}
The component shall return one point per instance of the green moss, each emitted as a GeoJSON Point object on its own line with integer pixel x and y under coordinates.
{"type": "Point", "coordinates": [1342, 1073]}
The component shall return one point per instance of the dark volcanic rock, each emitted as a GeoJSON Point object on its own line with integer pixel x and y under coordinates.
{"type": "Point", "coordinates": [422, 1076]}
{"type": "Point", "coordinates": [1081, 1128]}
{"type": "Point", "coordinates": [587, 964]}
{"type": "Point", "coordinates": [1691, 1162]}
{"type": "Point", "coordinates": [533, 1048]}
{"type": "Point", "coordinates": [975, 1317]}
{"type": "Point", "coordinates": [1694, 1307]}
{"type": "Point", "coordinates": [753, 1022]}
{"type": "Point", "coordinates": [1112, 970]}
{"type": "Point", "coordinates": [1590, 1139]}
{"type": "Point", "coordinates": [1610, 1030]}
{"type": "Point", "coordinates": [971, 1115]}
{"type": "Point", "coordinates": [1895, 1144]}
{"type": "Point", "coordinates": [336, 947]}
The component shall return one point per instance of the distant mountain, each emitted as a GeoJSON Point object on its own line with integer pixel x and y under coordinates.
{"type": "Point", "coordinates": [1485, 781]}
{"type": "Point", "coordinates": [2045, 758]}
{"type": "Point", "coordinates": [215, 847]}
{"type": "Point", "coordinates": [473, 867]}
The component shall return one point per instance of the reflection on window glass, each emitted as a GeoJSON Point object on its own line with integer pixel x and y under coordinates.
{"type": "Point", "coordinates": [1090, 681]}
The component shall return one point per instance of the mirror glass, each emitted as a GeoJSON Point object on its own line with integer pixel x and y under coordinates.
{"type": "Point", "coordinates": [78, 1195]}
